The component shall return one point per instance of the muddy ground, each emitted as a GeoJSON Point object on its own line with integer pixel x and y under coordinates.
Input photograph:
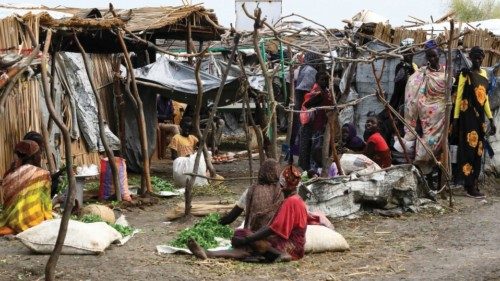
{"type": "Point", "coordinates": [462, 243]}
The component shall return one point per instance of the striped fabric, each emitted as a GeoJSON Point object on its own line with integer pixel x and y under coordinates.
{"type": "Point", "coordinates": [26, 198]}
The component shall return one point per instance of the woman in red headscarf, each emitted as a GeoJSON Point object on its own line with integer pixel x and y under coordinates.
{"type": "Point", "coordinates": [282, 240]}
{"type": "Point", "coordinates": [26, 191]}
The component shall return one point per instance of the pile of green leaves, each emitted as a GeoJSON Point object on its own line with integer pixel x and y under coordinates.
{"type": "Point", "coordinates": [160, 184]}
{"type": "Point", "coordinates": [124, 230]}
{"type": "Point", "coordinates": [204, 232]}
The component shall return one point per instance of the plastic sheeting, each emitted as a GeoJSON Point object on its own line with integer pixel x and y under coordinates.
{"type": "Point", "coordinates": [401, 185]}
{"type": "Point", "coordinates": [178, 82]}
{"type": "Point", "coordinates": [86, 108]}
{"type": "Point", "coordinates": [132, 145]}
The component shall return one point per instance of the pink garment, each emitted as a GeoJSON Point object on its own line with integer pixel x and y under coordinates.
{"type": "Point", "coordinates": [425, 100]}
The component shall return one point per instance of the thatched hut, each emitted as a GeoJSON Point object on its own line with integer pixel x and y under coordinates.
{"type": "Point", "coordinates": [25, 109]}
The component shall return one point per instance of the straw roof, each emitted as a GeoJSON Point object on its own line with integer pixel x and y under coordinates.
{"type": "Point", "coordinates": [160, 22]}
{"type": "Point", "coordinates": [171, 22]}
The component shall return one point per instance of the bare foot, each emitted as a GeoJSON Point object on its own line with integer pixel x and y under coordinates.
{"type": "Point", "coordinates": [196, 249]}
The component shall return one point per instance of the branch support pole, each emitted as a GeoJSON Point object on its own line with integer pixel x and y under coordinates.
{"type": "Point", "coordinates": [190, 182]}
{"type": "Point", "coordinates": [449, 75]}
{"type": "Point", "coordinates": [273, 150]}
{"type": "Point", "coordinates": [380, 92]}
{"type": "Point", "coordinates": [141, 120]}
{"type": "Point", "coordinates": [100, 119]}
{"type": "Point", "coordinates": [199, 102]}
{"type": "Point", "coordinates": [68, 207]}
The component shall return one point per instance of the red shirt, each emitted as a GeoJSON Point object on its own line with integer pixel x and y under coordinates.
{"type": "Point", "coordinates": [378, 150]}
{"type": "Point", "coordinates": [292, 214]}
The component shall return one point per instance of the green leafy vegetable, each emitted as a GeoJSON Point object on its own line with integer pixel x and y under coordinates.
{"type": "Point", "coordinates": [204, 232]}
{"type": "Point", "coordinates": [160, 184]}
{"type": "Point", "coordinates": [90, 218]}
{"type": "Point", "coordinates": [124, 230]}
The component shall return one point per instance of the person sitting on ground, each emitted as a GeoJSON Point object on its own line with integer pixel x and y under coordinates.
{"type": "Point", "coordinates": [26, 191]}
{"type": "Point", "coordinates": [376, 146]}
{"type": "Point", "coordinates": [282, 240]}
{"type": "Point", "coordinates": [350, 139]}
{"type": "Point", "coordinates": [260, 201]}
{"type": "Point", "coordinates": [183, 144]}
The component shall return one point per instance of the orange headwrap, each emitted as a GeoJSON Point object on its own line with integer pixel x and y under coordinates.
{"type": "Point", "coordinates": [290, 177]}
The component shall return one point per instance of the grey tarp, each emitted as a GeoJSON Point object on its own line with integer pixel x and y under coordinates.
{"type": "Point", "coordinates": [401, 185]}
{"type": "Point", "coordinates": [178, 82]}
{"type": "Point", "coordinates": [73, 71]}
{"type": "Point", "coordinates": [132, 145]}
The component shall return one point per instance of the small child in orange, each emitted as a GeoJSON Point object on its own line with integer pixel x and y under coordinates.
{"type": "Point", "coordinates": [184, 144]}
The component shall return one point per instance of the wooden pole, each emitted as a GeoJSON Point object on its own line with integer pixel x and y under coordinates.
{"type": "Point", "coordinates": [244, 92]}
{"type": "Point", "coordinates": [120, 103]}
{"type": "Point", "coordinates": [189, 40]}
{"type": "Point", "coordinates": [273, 150]}
{"type": "Point", "coordinates": [248, 112]}
{"type": "Point", "coordinates": [49, 152]}
{"type": "Point", "coordinates": [141, 121]}
{"type": "Point", "coordinates": [329, 138]}
{"type": "Point", "coordinates": [248, 139]}
{"type": "Point", "coordinates": [196, 121]}
{"type": "Point", "coordinates": [380, 92]}
{"type": "Point", "coordinates": [291, 98]}
{"type": "Point", "coordinates": [100, 119]}
{"type": "Point", "coordinates": [189, 185]}
{"type": "Point", "coordinates": [68, 207]}
{"type": "Point", "coordinates": [449, 77]}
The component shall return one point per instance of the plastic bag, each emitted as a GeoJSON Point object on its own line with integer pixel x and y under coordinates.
{"type": "Point", "coordinates": [183, 165]}
{"type": "Point", "coordinates": [106, 188]}
{"type": "Point", "coordinates": [306, 117]}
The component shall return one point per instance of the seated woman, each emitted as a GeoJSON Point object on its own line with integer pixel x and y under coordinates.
{"type": "Point", "coordinates": [376, 146]}
{"type": "Point", "coordinates": [260, 201]}
{"type": "Point", "coordinates": [183, 144]}
{"type": "Point", "coordinates": [281, 240]}
{"type": "Point", "coordinates": [350, 139]}
{"type": "Point", "coordinates": [26, 191]}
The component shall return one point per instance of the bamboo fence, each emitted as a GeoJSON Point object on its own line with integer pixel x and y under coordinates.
{"type": "Point", "coordinates": [22, 110]}
{"type": "Point", "coordinates": [487, 41]}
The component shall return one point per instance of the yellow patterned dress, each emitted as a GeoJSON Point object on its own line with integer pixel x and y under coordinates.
{"type": "Point", "coordinates": [26, 199]}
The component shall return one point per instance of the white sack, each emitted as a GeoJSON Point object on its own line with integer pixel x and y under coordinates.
{"type": "Point", "coordinates": [81, 238]}
{"type": "Point", "coordinates": [321, 239]}
{"type": "Point", "coordinates": [183, 165]}
{"type": "Point", "coordinates": [358, 163]}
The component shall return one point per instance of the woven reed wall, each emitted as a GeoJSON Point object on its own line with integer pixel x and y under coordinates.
{"type": "Point", "coordinates": [22, 111]}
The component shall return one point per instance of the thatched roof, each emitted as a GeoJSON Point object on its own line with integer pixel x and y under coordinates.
{"type": "Point", "coordinates": [157, 22]}
{"type": "Point", "coordinates": [171, 22]}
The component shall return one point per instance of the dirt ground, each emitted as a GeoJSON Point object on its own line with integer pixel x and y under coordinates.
{"type": "Point", "coordinates": [462, 243]}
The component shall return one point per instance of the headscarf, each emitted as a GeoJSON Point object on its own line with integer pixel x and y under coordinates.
{"type": "Point", "coordinates": [353, 142]}
{"type": "Point", "coordinates": [269, 172]}
{"type": "Point", "coordinates": [28, 152]}
{"type": "Point", "coordinates": [264, 198]}
{"type": "Point", "coordinates": [290, 178]}
{"type": "Point", "coordinates": [26, 148]}
{"type": "Point", "coordinates": [476, 51]}
{"type": "Point", "coordinates": [430, 44]}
